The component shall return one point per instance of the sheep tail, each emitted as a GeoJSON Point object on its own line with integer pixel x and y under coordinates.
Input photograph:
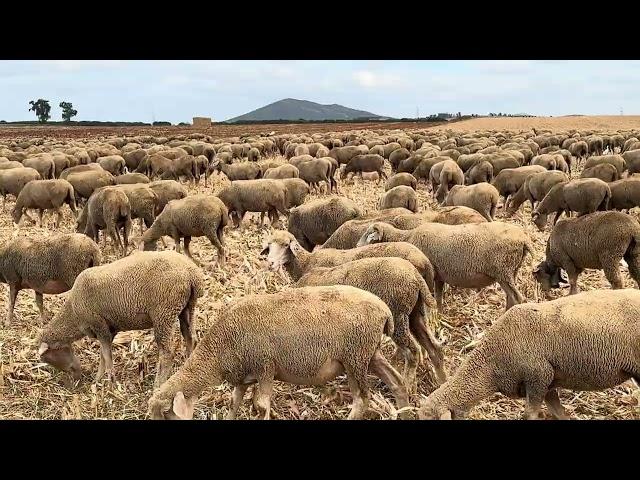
{"type": "Point", "coordinates": [604, 205]}
{"type": "Point", "coordinates": [389, 326]}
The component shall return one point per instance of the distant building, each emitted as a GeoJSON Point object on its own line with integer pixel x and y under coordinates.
{"type": "Point", "coordinates": [201, 122]}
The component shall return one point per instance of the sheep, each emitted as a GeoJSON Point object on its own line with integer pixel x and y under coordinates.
{"type": "Point", "coordinates": [185, 166]}
{"type": "Point", "coordinates": [401, 179]}
{"type": "Point", "coordinates": [85, 183]}
{"type": "Point", "coordinates": [246, 345]}
{"type": "Point", "coordinates": [399, 284]}
{"type": "Point", "coordinates": [447, 215]}
{"type": "Point", "coordinates": [604, 171]}
{"type": "Point", "coordinates": [579, 149]}
{"type": "Point", "coordinates": [131, 178]}
{"type": "Point", "coordinates": [314, 222]}
{"type": "Point", "coordinates": [253, 155]}
{"type": "Point", "coordinates": [625, 193]}
{"type": "Point", "coordinates": [480, 172]}
{"type": "Point", "coordinates": [615, 160]}
{"type": "Point", "coordinates": [47, 265]}
{"type": "Point", "coordinates": [128, 294]}
{"type": "Point", "coordinates": [467, 256]}
{"type": "Point", "coordinates": [133, 159]}
{"type": "Point", "coordinates": [501, 161]}
{"type": "Point", "coordinates": [595, 145]}
{"type": "Point", "coordinates": [482, 197]}
{"type": "Point", "coordinates": [301, 149]}
{"type": "Point", "coordinates": [534, 189]}
{"type": "Point", "coordinates": [194, 216]}
{"type": "Point", "coordinates": [390, 147]}
{"type": "Point", "coordinates": [397, 156]}
{"type": "Point", "coordinates": [400, 196]}
{"type": "Point", "coordinates": [584, 195]}
{"type": "Point", "coordinates": [107, 209]}
{"type": "Point", "coordinates": [587, 341]}
{"type": "Point", "coordinates": [344, 154]}
{"type": "Point", "coordinates": [10, 165]}
{"type": "Point", "coordinates": [315, 171]}
{"type": "Point", "coordinates": [364, 163]}
{"type": "Point", "coordinates": [299, 159]}
{"type": "Point", "coordinates": [44, 195]}
{"type": "Point", "coordinates": [510, 180]}
{"type": "Point", "coordinates": [80, 168]}
{"type": "Point", "coordinates": [422, 170]}
{"type": "Point", "coordinates": [143, 201]}
{"type": "Point", "coordinates": [445, 175]}
{"type": "Point", "coordinates": [599, 241]}
{"type": "Point", "coordinates": [546, 160]}
{"type": "Point", "coordinates": [282, 171]}
{"type": "Point", "coordinates": [631, 159]}
{"type": "Point", "coordinates": [44, 165]}
{"type": "Point", "coordinates": [239, 171]}
{"type": "Point", "coordinates": [269, 196]}
{"type": "Point", "coordinates": [13, 181]}
{"type": "Point", "coordinates": [114, 164]}
{"type": "Point", "coordinates": [167, 190]}
{"type": "Point", "coordinates": [201, 168]}
{"type": "Point", "coordinates": [61, 162]}
{"type": "Point", "coordinates": [409, 164]}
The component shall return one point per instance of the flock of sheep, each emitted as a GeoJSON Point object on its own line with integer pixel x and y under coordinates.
{"type": "Point", "coordinates": [358, 277]}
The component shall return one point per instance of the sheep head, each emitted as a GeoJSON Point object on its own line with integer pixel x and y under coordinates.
{"type": "Point", "coordinates": [374, 234]}
{"type": "Point", "coordinates": [61, 356]}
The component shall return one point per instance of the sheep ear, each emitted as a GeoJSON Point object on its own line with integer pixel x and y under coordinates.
{"type": "Point", "coordinates": [182, 407]}
{"type": "Point", "coordinates": [264, 251]}
{"type": "Point", "coordinates": [446, 415]}
{"type": "Point", "coordinates": [43, 348]}
{"type": "Point", "coordinates": [295, 248]}
{"type": "Point", "coordinates": [563, 277]}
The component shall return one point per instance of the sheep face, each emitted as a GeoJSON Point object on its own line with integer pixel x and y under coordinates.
{"type": "Point", "coordinates": [61, 357]}
{"type": "Point", "coordinates": [181, 409]}
{"type": "Point", "coordinates": [540, 220]}
{"type": "Point", "coordinates": [372, 235]}
{"type": "Point", "coordinates": [549, 276]}
{"type": "Point", "coordinates": [279, 253]}
{"type": "Point", "coordinates": [430, 411]}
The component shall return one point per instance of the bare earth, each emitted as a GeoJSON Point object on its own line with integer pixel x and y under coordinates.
{"type": "Point", "coordinates": [552, 123]}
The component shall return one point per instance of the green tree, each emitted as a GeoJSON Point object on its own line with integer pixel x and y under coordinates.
{"type": "Point", "coordinates": [67, 111]}
{"type": "Point", "coordinates": [42, 108]}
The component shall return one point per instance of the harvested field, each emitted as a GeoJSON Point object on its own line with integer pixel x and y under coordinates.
{"type": "Point", "coordinates": [30, 389]}
{"type": "Point", "coordinates": [578, 122]}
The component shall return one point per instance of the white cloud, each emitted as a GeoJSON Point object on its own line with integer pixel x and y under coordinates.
{"type": "Point", "coordinates": [369, 79]}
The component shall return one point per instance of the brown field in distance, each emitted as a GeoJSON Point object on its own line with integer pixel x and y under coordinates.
{"type": "Point", "coordinates": [578, 122]}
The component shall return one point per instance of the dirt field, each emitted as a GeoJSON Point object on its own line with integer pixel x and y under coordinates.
{"type": "Point", "coordinates": [31, 389]}
{"type": "Point", "coordinates": [552, 123]}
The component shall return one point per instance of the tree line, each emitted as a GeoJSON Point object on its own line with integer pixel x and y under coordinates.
{"type": "Point", "coordinates": [42, 109]}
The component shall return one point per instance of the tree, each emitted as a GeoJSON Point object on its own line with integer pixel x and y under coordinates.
{"type": "Point", "coordinates": [67, 111]}
{"type": "Point", "coordinates": [42, 108]}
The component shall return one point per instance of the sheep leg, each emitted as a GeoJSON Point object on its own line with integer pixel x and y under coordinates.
{"type": "Point", "coordinates": [514, 297]}
{"type": "Point", "coordinates": [40, 305]}
{"type": "Point", "coordinates": [537, 381]}
{"type": "Point", "coordinates": [114, 233]}
{"type": "Point", "coordinates": [428, 341]}
{"type": "Point", "coordinates": [236, 400]}
{"type": "Point", "coordinates": [360, 392]}
{"type": "Point", "coordinates": [634, 266]}
{"type": "Point", "coordinates": [403, 339]}
{"type": "Point", "coordinates": [176, 239]}
{"type": "Point", "coordinates": [381, 368]}
{"type": "Point", "coordinates": [187, 241]}
{"type": "Point", "coordinates": [552, 400]}
{"type": "Point", "coordinates": [262, 398]}
{"type": "Point", "coordinates": [13, 293]}
{"type": "Point", "coordinates": [611, 269]}
{"type": "Point", "coordinates": [58, 217]}
{"type": "Point", "coordinates": [106, 360]}
{"type": "Point", "coordinates": [439, 292]}
{"type": "Point", "coordinates": [40, 216]}
{"type": "Point", "coordinates": [215, 241]}
{"type": "Point", "coordinates": [186, 326]}
{"type": "Point", "coordinates": [141, 221]}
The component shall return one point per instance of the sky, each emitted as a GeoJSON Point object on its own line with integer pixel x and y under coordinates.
{"type": "Point", "coordinates": [177, 90]}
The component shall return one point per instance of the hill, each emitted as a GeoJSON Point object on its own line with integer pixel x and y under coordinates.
{"type": "Point", "coordinates": [292, 109]}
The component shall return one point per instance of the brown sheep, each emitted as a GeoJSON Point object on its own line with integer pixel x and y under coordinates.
{"type": "Point", "coordinates": [400, 196]}
{"type": "Point", "coordinates": [364, 163]}
{"type": "Point", "coordinates": [253, 155]}
{"type": "Point", "coordinates": [10, 165]}
{"type": "Point", "coordinates": [47, 265]}
{"type": "Point", "coordinates": [80, 168]}
{"type": "Point", "coordinates": [625, 193]}
{"type": "Point", "coordinates": [482, 197]}
{"type": "Point", "coordinates": [114, 164]}
{"type": "Point", "coordinates": [125, 295]}
{"type": "Point", "coordinates": [604, 171]}
{"type": "Point", "coordinates": [447, 215]}
{"type": "Point", "coordinates": [632, 160]}
{"type": "Point", "coordinates": [423, 169]}
{"type": "Point", "coordinates": [510, 180]}
{"type": "Point", "coordinates": [44, 165]}
{"type": "Point", "coordinates": [315, 171]}
{"type": "Point", "coordinates": [615, 160]}
{"type": "Point", "coordinates": [344, 154]}
{"type": "Point", "coordinates": [409, 164]}
{"type": "Point", "coordinates": [13, 181]}
{"type": "Point", "coordinates": [445, 175]}
{"type": "Point", "coordinates": [143, 201]}
{"type": "Point", "coordinates": [595, 145]}
{"type": "Point", "coordinates": [597, 241]}
{"type": "Point", "coordinates": [167, 190]}
{"type": "Point", "coordinates": [44, 195]}
{"type": "Point", "coordinates": [535, 188]}
{"type": "Point", "coordinates": [397, 156]}
{"type": "Point", "coordinates": [85, 183]}
{"type": "Point", "coordinates": [282, 171]}
{"type": "Point", "coordinates": [193, 216]}
{"type": "Point", "coordinates": [480, 172]}
{"type": "Point", "coordinates": [546, 160]}
{"type": "Point", "coordinates": [239, 171]}
{"type": "Point", "coordinates": [579, 149]}
{"type": "Point", "coordinates": [131, 178]}
{"type": "Point", "coordinates": [269, 196]}
{"type": "Point", "coordinates": [584, 195]}
{"type": "Point", "coordinates": [133, 159]}
{"type": "Point", "coordinates": [401, 179]}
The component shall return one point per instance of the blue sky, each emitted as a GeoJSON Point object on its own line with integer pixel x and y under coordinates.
{"type": "Point", "coordinates": [178, 90]}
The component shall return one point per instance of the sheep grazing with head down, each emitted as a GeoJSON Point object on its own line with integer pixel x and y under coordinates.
{"type": "Point", "coordinates": [534, 189]}
{"type": "Point", "coordinates": [400, 196]}
{"type": "Point", "coordinates": [167, 190]}
{"type": "Point", "coordinates": [268, 196]}
{"type": "Point", "coordinates": [583, 342]}
{"type": "Point", "coordinates": [443, 176]}
{"type": "Point", "coordinates": [401, 179]}
{"type": "Point", "coordinates": [143, 290]}
{"type": "Point", "coordinates": [598, 241]}
{"type": "Point", "coordinates": [482, 197]}
{"type": "Point", "coordinates": [246, 345]}
{"type": "Point", "coordinates": [13, 181]}
{"type": "Point", "coordinates": [47, 265]}
{"type": "Point", "coordinates": [44, 195]}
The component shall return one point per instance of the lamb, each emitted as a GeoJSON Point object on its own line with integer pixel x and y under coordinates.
{"type": "Point", "coordinates": [587, 341]}
{"type": "Point", "coordinates": [399, 284]}
{"type": "Point", "coordinates": [625, 193]}
{"type": "Point", "coordinates": [44, 195]}
{"type": "Point", "coordinates": [400, 196]}
{"type": "Point", "coordinates": [114, 164]}
{"type": "Point", "coordinates": [85, 183]}
{"type": "Point", "coordinates": [13, 181]}
{"type": "Point", "coordinates": [239, 171]}
{"type": "Point", "coordinates": [315, 171]}
{"type": "Point", "coordinates": [44, 165]}
{"type": "Point", "coordinates": [535, 188]}
{"type": "Point", "coordinates": [125, 295]}
{"type": "Point", "coordinates": [131, 178]}
{"type": "Point", "coordinates": [365, 163]}
{"type": "Point", "coordinates": [510, 180]}
{"type": "Point", "coordinates": [107, 209]}
{"type": "Point", "coordinates": [282, 171]}
{"type": "Point", "coordinates": [246, 345]}
{"type": "Point", "coordinates": [466, 256]}
{"type": "Point", "coordinates": [482, 197]}
{"type": "Point", "coordinates": [167, 190]}
{"type": "Point", "coordinates": [599, 241]}
{"type": "Point", "coordinates": [584, 195]}
{"type": "Point", "coordinates": [47, 265]}
{"type": "Point", "coordinates": [314, 222]}
{"type": "Point", "coordinates": [604, 171]}
{"type": "Point", "coordinates": [269, 196]}
{"type": "Point", "coordinates": [615, 160]}
{"type": "Point", "coordinates": [193, 216]}
{"type": "Point", "coordinates": [480, 172]}
{"type": "Point", "coordinates": [445, 175]}
{"type": "Point", "coordinates": [401, 179]}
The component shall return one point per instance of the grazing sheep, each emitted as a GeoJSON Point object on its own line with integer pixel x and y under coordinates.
{"type": "Point", "coordinates": [625, 193]}
{"type": "Point", "coordinates": [282, 171]}
{"type": "Point", "coordinates": [579, 149]}
{"type": "Point", "coordinates": [400, 196]}
{"type": "Point", "coordinates": [239, 171]}
{"type": "Point", "coordinates": [167, 190]}
{"type": "Point", "coordinates": [201, 168]}
{"type": "Point", "coordinates": [598, 241]}
{"type": "Point", "coordinates": [44, 195]}
{"type": "Point", "coordinates": [399, 284]}
{"type": "Point", "coordinates": [314, 222]}
{"type": "Point", "coordinates": [253, 155]}
{"type": "Point", "coordinates": [315, 171]}
{"type": "Point", "coordinates": [510, 180]}
{"type": "Point", "coordinates": [133, 159]}
{"type": "Point", "coordinates": [397, 156]}
{"type": "Point", "coordinates": [185, 166]}
{"type": "Point", "coordinates": [445, 175]}
{"type": "Point", "coordinates": [143, 201]}
{"type": "Point", "coordinates": [546, 160]}
{"type": "Point", "coordinates": [114, 164]}
{"type": "Point", "coordinates": [297, 191]}
{"type": "Point", "coordinates": [584, 195]}
{"type": "Point", "coordinates": [245, 345]}
{"type": "Point", "coordinates": [447, 215]}
{"type": "Point", "coordinates": [85, 183]}
{"type": "Point", "coordinates": [364, 163]}
{"type": "Point", "coordinates": [423, 169]}
{"type": "Point", "coordinates": [80, 168]}
{"type": "Point", "coordinates": [344, 154]}
{"type": "Point", "coordinates": [131, 178]}
{"type": "Point", "coordinates": [631, 159]}
{"type": "Point", "coordinates": [604, 171]}
{"type": "Point", "coordinates": [482, 197]}
{"type": "Point", "coordinates": [535, 188]}
{"type": "Point", "coordinates": [401, 179]}
{"type": "Point", "coordinates": [10, 165]}
{"type": "Point", "coordinates": [480, 172]}
{"type": "Point", "coordinates": [193, 216]}
{"type": "Point", "coordinates": [497, 254]}
{"type": "Point", "coordinates": [107, 209]}
{"type": "Point", "coordinates": [269, 196]}
{"type": "Point", "coordinates": [125, 295]}
{"type": "Point", "coordinates": [47, 265]}
{"type": "Point", "coordinates": [615, 160]}
{"type": "Point", "coordinates": [595, 145]}
{"type": "Point", "coordinates": [44, 165]}
{"type": "Point", "coordinates": [409, 164]}
{"type": "Point", "coordinates": [584, 342]}
{"type": "Point", "coordinates": [13, 181]}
